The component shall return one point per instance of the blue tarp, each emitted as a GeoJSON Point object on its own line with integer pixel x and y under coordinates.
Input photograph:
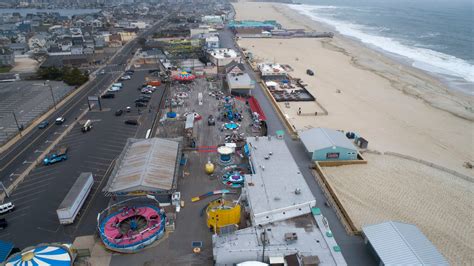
{"type": "Point", "coordinates": [5, 249]}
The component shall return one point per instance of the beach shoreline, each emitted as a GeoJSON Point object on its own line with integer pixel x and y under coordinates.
{"type": "Point", "coordinates": [397, 107]}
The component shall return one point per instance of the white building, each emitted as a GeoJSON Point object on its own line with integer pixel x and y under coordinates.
{"type": "Point", "coordinates": [223, 56]}
{"type": "Point", "coordinates": [212, 42]}
{"type": "Point", "coordinates": [285, 223]}
{"type": "Point", "coordinates": [271, 70]}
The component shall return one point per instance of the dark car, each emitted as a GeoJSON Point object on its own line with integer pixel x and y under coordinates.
{"type": "Point", "coordinates": [145, 96]}
{"type": "Point", "coordinates": [140, 104]}
{"type": "Point", "coordinates": [211, 121]}
{"type": "Point", "coordinates": [131, 122]}
{"type": "Point", "coordinates": [130, 71]}
{"type": "Point", "coordinates": [142, 100]}
{"type": "Point", "coordinates": [119, 112]}
{"type": "Point", "coordinates": [309, 72]}
{"type": "Point", "coordinates": [3, 223]}
{"type": "Point", "coordinates": [43, 124]}
{"type": "Point", "coordinates": [108, 96]}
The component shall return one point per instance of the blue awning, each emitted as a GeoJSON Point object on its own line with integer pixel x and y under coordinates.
{"type": "Point", "coordinates": [5, 249]}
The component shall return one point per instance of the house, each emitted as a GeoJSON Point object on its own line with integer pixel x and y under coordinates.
{"type": "Point", "coordinates": [65, 44]}
{"type": "Point", "coordinates": [115, 40]}
{"type": "Point", "coordinates": [7, 57]}
{"type": "Point", "coordinates": [238, 81]}
{"type": "Point", "coordinates": [395, 243]}
{"type": "Point", "coordinates": [19, 48]}
{"type": "Point", "coordinates": [324, 144]}
{"type": "Point", "coordinates": [38, 41]}
{"type": "Point", "coordinates": [99, 42]}
{"type": "Point", "coordinates": [88, 50]}
{"type": "Point", "coordinates": [77, 49]}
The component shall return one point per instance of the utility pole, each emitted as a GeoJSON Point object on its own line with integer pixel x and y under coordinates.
{"type": "Point", "coordinates": [52, 94]}
{"type": "Point", "coordinates": [16, 121]}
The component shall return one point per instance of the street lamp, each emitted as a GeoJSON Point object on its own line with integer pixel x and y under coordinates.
{"type": "Point", "coordinates": [20, 128]}
{"type": "Point", "coordinates": [4, 189]}
{"type": "Point", "coordinates": [51, 90]}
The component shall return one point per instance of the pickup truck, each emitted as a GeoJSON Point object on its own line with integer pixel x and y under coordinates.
{"type": "Point", "coordinates": [56, 156]}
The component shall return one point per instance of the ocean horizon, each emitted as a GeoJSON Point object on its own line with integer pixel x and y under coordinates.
{"type": "Point", "coordinates": [435, 36]}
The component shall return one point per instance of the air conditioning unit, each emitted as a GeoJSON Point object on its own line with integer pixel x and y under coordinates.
{"type": "Point", "coordinates": [290, 237]}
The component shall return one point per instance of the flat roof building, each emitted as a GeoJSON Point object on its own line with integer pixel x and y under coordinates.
{"type": "Point", "coordinates": [275, 193]}
{"type": "Point", "coordinates": [284, 220]}
{"type": "Point", "coordinates": [325, 144]}
{"type": "Point", "coordinates": [223, 56]}
{"type": "Point", "coordinates": [271, 70]}
{"type": "Point", "coordinates": [145, 166]}
{"type": "Point", "coordinates": [395, 243]}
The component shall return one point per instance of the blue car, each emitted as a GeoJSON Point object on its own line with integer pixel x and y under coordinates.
{"type": "Point", "coordinates": [43, 124]}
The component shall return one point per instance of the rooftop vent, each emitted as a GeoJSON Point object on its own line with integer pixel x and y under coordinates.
{"type": "Point", "coordinates": [290, 237]}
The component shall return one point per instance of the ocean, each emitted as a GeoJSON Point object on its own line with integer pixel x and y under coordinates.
{"type": "Point", "coordinates": [63, 12]}
{"type": "Point", "coordinates": [433, 35]}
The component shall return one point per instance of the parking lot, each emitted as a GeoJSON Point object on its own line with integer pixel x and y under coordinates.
{"type": "Point", "coordinates": [28, 100]}
{"type": "Point", "coordinates": [93, 151]}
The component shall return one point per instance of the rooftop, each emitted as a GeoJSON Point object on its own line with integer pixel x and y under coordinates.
{"type": "Point", "coordinates": [402, 244]}
{"type": "Point", "coordinates": [145, 165]}
{"type": "Point", "coordinates": [223, 53]}
{"type": "Point", "coordinates": [240, 81]}
{"type": "Point", "coordinates": [75, 191]}
{"type": "Point", "coordinates": [275, 192]}
{"type": "Point", "coordinates": [246, 244]}
{"type": "Point", "coordinates": [322, 138]}
{"type": "Point", "coordinates": [271, 69]}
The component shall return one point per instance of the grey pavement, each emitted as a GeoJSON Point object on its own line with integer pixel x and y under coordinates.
{"type": "Point", "coordinates": [28, 100]}
{"type": "Point", "coordinates": [353, 247]}
{"type": "Point", "coordinates": [38, 196]}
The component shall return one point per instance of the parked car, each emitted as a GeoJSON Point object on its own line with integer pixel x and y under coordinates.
{"type": "Point", "coordinates": [113, 89]}
{"type": "Point", "coordinates": [6, 207]}
{"type": "Point", "coordinates": [147, 91]}
{"type": "Point", "coordinates": [59, 120]}
{"type": "Point", "coordinates": [108, 96]}
{"type": "Point", "coordinates": [128, 109]}
{"type": "Point", "coordinates": [309, 72]}
{"type": "Point", "coordinates": [131, 122]}
{"type": "Point", "coordinates": [119, 112]}
{"type": "Point", "coordinates": [127, 77]}
{"type": "Point", "coordinates": [145, 96]}
{"type": "Point", "coordinates": [130, 72]}
{"type": "Point", "coordinates": [118, 84]}
{"type": "Point", "coordinates": [142, 100]}
{"type": "Point", "coordinates": [58, 155]}
{"type": "Point", "coordinates": [102, 72]}
{"type": "Point", "coordinates": [140, 104]}
{"type": "Point", "coordinates": [3, 223]}
{"type": "Point", "coordinates": [43, 124]}
{"type": "Point", "coordinates": [211, 121]}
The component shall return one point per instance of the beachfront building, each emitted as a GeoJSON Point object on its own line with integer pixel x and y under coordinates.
{"type": "Point", "coordinates": [324, 144]}
{"type": "Point", "coordinates": [285, 224]}
{"type": "Point", "coordinates": [145, 166]}
{"type": "Point", "coordinates": [241, 26]}
{"type": "Point", "coordinates": [238, 81]}
{"type": "Point", "coordinates": [272, 71]}
{"type": "Point", "coordinates": [215, 21]}
{"type": "Point", "coordinates": [223, 56]}
{"type": "Point", "coordinates": [212, 42]}
{"type": "Point", "coordinates": [395, 243]}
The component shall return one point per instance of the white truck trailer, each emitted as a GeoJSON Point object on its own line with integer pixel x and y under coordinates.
{"type": "Point", "coordinates": [75, 198]}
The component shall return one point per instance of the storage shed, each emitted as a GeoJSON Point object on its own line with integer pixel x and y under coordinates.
{"type": "Point", "coordinates": [324, 144]}
{"type": "Point", "coordinates": [395, 243]}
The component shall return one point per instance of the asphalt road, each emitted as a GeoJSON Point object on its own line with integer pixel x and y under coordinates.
{"type": "Point", "coordinates": [38, 196]}
{"type": "Point", "coordinates": [16, 159]}
{"type": "Point", "coordinates": [353, 247]}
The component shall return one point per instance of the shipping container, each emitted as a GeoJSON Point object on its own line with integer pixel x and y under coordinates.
{"type": "Point", "coordinates": [75, 198]}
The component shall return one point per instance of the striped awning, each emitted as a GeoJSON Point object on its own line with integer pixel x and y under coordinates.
{"type": "Point", "coordinates": [42, 255]}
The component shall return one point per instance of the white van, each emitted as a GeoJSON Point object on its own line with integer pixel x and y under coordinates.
{"type": "Point", "coordinates": [6, 207]}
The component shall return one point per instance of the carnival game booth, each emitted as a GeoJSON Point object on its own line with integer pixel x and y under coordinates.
{"type": "Point", "coordinates": [43, 254]}
{"type": "Point", "coordinates": [132, 224]}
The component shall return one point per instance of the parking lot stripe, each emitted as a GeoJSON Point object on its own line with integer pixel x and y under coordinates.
{"type": "Point", "coordinates": [21, 191]}
{"type": "Point", "coordinates": [93, 162]}
{"type": "Point", "coordinates": [31, 194]}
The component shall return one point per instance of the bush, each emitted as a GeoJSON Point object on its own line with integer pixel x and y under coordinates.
{"type": "Point", "coordinates": [73, 77]}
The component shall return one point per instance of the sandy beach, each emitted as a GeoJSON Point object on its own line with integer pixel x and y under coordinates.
{"type": "Point", "coordinates": [395, 107]}
{"type": "Point", "coordinates": [438, 202]}
{"type": "Point", "coordinates": [398, 109]}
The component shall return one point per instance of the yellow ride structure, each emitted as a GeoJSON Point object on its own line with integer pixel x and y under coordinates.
{"type": "Point", "coordinates": [221, 213]}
